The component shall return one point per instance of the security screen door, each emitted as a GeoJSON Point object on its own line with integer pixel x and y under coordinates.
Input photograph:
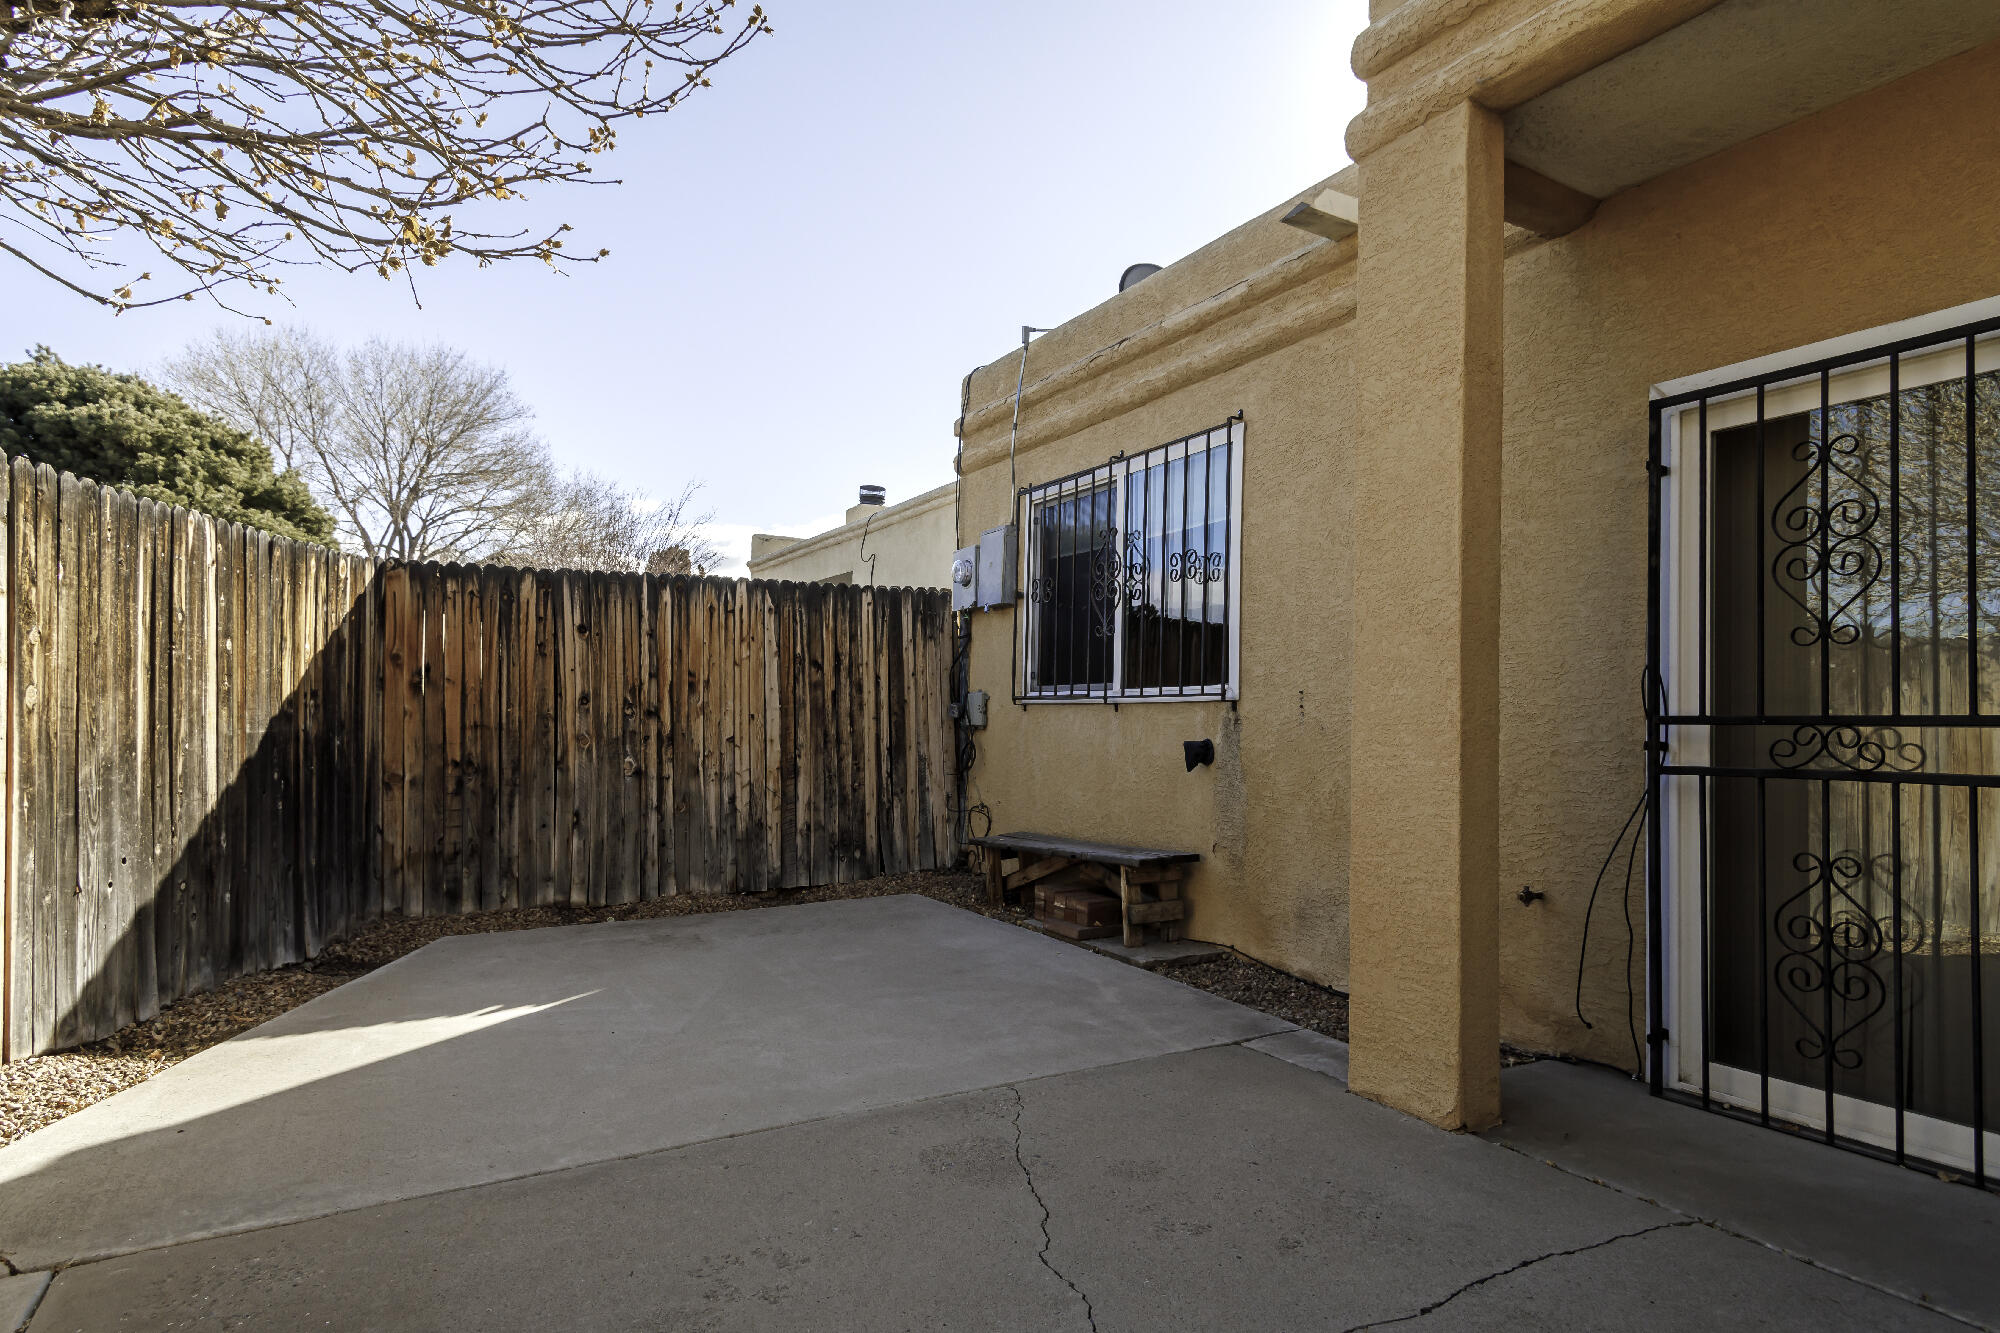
{"type": "Point", "coordinates": [1828, 642]}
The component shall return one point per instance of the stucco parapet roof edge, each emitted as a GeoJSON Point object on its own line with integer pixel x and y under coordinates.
{"type": "Point", "coordinates": [1407, 29]}
{"type": "Point", "coordinates": [914, 507]}
{"type": "Point", "coordinates": [1205, 362]}
{"type": "Point", "coordinates": [1271, 281]}
{"type": "Point", "coordinates": [1549, 47]}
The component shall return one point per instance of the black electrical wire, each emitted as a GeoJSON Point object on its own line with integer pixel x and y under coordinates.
{"type": "Point", "coordinates": [965, 750]}
{"type": "Point", "coordinates": [1632, 936]}
{"type": "Point", "coordinates": [1590, 907]}
{"type": "Point", "coordinates": [1652, 699]}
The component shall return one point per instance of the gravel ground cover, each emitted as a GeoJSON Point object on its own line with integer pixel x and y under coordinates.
{"type": "Point", "coordinates": [1266, 989]}
{"type": "Point", "coordinates": [38, 1091]}
{"type": "Point", "coordinates": [45, 1088]}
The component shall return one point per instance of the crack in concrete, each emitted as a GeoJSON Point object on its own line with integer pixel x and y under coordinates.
{"type": "Point", "coordinates": [8, 1264]}
{"type": "Point", "coordinates": [1718, 1225]}
{"type": "Point", "coordinates": [1525, 1263]}
{"type": "Point", "coordinates": [1089, 1314]}
{"type": "Point", "coordinates": [35, 1305]}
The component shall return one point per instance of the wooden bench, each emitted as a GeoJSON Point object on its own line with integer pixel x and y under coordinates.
{"type": "Point", "coordinates": [1147, 880]}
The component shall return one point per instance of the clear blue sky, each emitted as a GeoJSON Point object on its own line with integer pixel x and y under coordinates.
{"type": "Point", "coordinates": [809, 256]}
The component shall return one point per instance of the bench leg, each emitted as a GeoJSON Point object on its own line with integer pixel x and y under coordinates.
{"type": "Point", "coordinates": [1128, 894]}
{"type": "Point", "coordinates": [1169, 889]}
{"type": "Point", "coordinates": [996, 883]}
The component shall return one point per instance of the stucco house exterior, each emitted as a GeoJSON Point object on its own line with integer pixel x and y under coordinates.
{"type": "Point", "coordinates": [1596, 495]}
{"type": "Point", "coordinates": [905, 545]}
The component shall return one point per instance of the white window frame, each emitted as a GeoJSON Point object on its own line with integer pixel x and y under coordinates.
{"type": "Point", "coordinates": [1116, 476]}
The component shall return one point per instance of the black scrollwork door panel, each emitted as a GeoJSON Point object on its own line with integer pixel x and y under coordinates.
{"type": "Point", "coordinates": [1846, 889]}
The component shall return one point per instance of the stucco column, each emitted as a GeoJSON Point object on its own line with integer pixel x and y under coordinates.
{"type": "Point", "coordinates": [1424, 963]}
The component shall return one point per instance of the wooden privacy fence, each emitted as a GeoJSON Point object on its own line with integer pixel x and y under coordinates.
{"type": "Point", "coordinates": [225, 749]}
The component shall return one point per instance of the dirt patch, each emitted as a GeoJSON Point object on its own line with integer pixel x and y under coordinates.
{"type": "Point", "coordinates": [41, 1090]}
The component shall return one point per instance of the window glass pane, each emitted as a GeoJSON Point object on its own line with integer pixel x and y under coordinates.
{"type": "Point", "coordinates": [1176, 579]}
{"type": "Point", "coordinates": [1852, 628]}
{"type": "Point", "coordinates": [1864, 526]}
{"type": "Point", "coordinates": [1074, 590]}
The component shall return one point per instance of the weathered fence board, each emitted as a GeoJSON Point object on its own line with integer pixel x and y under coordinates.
{"type": "Point", "coordinates": [225, 749]}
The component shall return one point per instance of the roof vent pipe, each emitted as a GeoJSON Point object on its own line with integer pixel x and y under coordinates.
{"type": "Point", "coordinates": [1136, 274]}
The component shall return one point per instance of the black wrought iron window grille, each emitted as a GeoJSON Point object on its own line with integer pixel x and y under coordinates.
{"type": "Point", "coordinates": [1825, 631]}
{"type": "Point", "coordinates": [1131, 582]}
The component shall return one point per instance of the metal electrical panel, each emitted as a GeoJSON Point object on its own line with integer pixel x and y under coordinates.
{"type": "Point", "coordinates": [964, 575]}
{"type": "Point", "coordinates": [975, 708]}
{"type": "Point", "coordinates": [999, 551]}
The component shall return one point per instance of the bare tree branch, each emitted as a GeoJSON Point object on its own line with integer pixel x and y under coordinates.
{"type": "Point", "coordinates": [236, 137]}
{"type": "Point", "coordinates": [588, 522]}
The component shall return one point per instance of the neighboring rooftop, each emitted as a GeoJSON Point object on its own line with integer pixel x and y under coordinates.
{"type": "Point", "coordinates": [907, 544]}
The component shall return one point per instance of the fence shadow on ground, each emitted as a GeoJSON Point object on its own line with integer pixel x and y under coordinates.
{"type": "Point", "coordinates": [228, 748]}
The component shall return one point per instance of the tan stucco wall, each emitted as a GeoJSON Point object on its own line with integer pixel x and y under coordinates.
{"type": "Point", "coordinates": [1875, 210]}
{"type": "Point", "coordinates": [907, 545]}
{"type": "Point", "coordinates": [1269, 817]}
{"type": "Point", "coordinates": [1427, 577]}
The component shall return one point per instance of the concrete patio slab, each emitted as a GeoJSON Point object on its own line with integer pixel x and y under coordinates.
{"type": "Point", "coordinates": [1159, 954]}
{"type": "Point", "coordinates": [18, 1298]}
{"type": "Point", "coordinates": [486, 1057]}
{"type": "Point", "coordinates": [1684, 1276]}
{"type": "Point", "coordinates": [1307, 1049]}
{"type": "Point", "coordinates": [1210, 1189]}
{"type": "Point", "coordinates": [1886, 1225]}
{"type": "Point", "coordinates": [890, 1114]}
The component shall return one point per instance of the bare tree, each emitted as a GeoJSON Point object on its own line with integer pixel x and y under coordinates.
{"type": "Point", "coordinates": [588, 522]}
{"type": "Point", "coordinates": [420, 452]}
{"type": "Point", "coordinates": [233, 137]}
{"type": "Point", "coordinates": [282, 387]}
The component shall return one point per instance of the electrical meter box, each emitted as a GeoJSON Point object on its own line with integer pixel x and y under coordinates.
{"type": "Point", "coordinates": [964, 574]}
{"type": "Point", "coordinates": [993, 581]}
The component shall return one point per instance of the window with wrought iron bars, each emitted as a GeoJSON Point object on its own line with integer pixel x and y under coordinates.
{"type": "Point", "coordinates": [1132, 579]}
